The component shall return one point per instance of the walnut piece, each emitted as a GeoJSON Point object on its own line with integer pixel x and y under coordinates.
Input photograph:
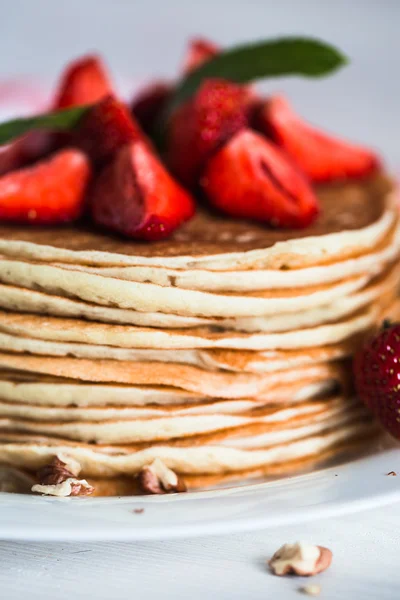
{"type": "Point", "coordinates": [157, 478]}
{"type": "Point", "coordinates": [69, 487]}
{"type": "Point", "coordinates": [311, 590]}
{"type": "Point", "coordinates": [59, 478]}
{"type": "Point", "coordinates": [300, 559]}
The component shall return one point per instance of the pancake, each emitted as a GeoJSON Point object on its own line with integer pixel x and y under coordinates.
{"type": "Point", "coordinates": [220, 384]}
{"type": "Point", "coordinates": [250, 280]}
{"type": "Point", "coordinates": [272, 421]}
{"type": "Point", "coordinates": [31, 453]}
{"type": "Point", "coordinates": [354, 218]}
{"type": "Point", "coordinates": [224, 351]}
{"type": "Point", "coordinates": [147, 297]}
{"type": "Point", "coordinates": [53, 329]}
{"type": "Point", "coordinates": [29, 301]}
{"type": "Point", "coordinates": [19, 481]}
{"type": "Point", "coordinates": [23, 300]}
{"type": "Point", "coordinates": [42, 390]}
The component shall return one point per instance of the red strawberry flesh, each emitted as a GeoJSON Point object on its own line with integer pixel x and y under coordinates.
{"type": "Point", "coordinates": [50, 192]}
{"type": "Point", "coordinates": [84, 81]}
{"type": "Point", "coordinates": [251, 178]}
{"type": "Point", "coordinates": [202, 125]}
{"type": "Point", "coordinates": [320, 156]}
{"type": "Point", "coordinates": [136, 197]}
{"type": "Point", "coordinates": [199, 51]}
{"type": "Point", "coordinates": [11, 156]}
{"type": "Point", "coordinates": [377, 377]}
{"type": "Point", "coordinates": [105, 129]}
{"type": "Point", "coordinates": [149, 104]}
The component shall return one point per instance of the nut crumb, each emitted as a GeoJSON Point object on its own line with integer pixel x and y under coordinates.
{"type": "Point", "coordinates": [157, 478]}
{"type": "Point", "coordinates": [311, 590]}
{"type": "Point", "coordinates": [59, 478]}
{"type": "Point", "coordinates": [392, 473]}
{"type": "Point", "coordinates": [138, 511]}
{"type": "Point", "coordinates": [300, 559]}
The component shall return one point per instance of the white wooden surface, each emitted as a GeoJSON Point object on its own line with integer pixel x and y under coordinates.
{"type": "Point", "coordinates": [37, 37]}
{"type": "Point", "coordinates": [365, 565]}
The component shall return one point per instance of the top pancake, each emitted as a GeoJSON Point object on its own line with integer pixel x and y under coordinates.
{"type": "Point", "coordinates": [353, 216]}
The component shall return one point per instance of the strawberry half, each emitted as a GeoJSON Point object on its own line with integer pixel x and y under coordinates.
{"type": "Point", "coordinates": [202, 125]}
{"type": "Point", "coordinates": [105, 129]}
{"type": "Point", "coordinates": [377, 374]}
{"type": "Point", "coordinates": [84, 81]}
{"type": "Point", "coordinates": [11, 156]}
{"type": "Point", "coordinates": [320, 156]}
{"type": "Point", "coordinates": [199, 51]}
{"type": "Point", "coordinates": [50, 192]}
{"type": "Point", "coordinates": [251, 178]}
{"type": "Point", "coordinates": [150, 103]}
{"type": "Point", "coordinates": [135, 196]}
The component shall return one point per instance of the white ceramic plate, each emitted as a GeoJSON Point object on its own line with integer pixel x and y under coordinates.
{"type": "Point", "coordinates": [352, 487]}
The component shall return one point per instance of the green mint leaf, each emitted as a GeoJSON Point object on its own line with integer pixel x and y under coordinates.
{"type": "Point", "coordinates": [273, 58]}
{"type": "Point", "coordinates": [60, 120]}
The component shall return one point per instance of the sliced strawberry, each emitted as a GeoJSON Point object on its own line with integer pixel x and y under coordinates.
{"type": "Point", "coordinates": [84, 81]}
{"type": "Point", "coordinates": [105, 129]}
{"type": "Point", "coordinates": [149, 104]}
{"type": "Point", "coordinates": [198, 52]}
{"type": "Point", "coordinates": [50, 192]}
{"type": "Point", "coordinates": [135, 196]}
{"type": "Point", "coordinates": [320, 156]}
{"type": "Point", "coordinates": [251, 178]}
{"type": "Point", "coordinates": [202, 125]}
{"type": "Point", "coordinates": [11, 156]}
{"type": "Point", "coordinates": [38, 144]}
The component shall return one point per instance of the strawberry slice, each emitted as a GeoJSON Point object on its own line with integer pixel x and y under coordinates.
{"type": "Point", "coordinates": [84, 81]}
{"type": "Point", "coordinates": [320, 156]}
{"type": "Point", "coordinates": [105, 129]}
{"type": "Point", "coordinates": [202, 125]}
{"type": "Point", "coordinates": [135, 196]}
{"type": "Point", "coordinates": [198, 52]}
{"type": "Point", "coordinates": [150, 103]}
{"type": "Point", "coordinates": [50, 192]}
{"type": "Point", "coordinates": [251, 178]}
{"type": "Point", "coordinates": [11, 156]}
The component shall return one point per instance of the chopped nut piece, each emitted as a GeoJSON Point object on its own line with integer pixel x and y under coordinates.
{"type": "Point", "coordinates": [70, 463]}
{"type": "Point", "coordinates": [69, 487]}
{"type": "Point", "coordinates": [138, 511]}
{"type": "Point", "coordinates": [392, 473]}
{"type": "Point", "coordinates": [157, 478]}
{"type": "Point", "coordinates": [300, 559]}
{"type": "Point", "coordinates": [59, 479]}
{"type": "Point", "coordinates": [55, 472]}
{"type": "Point", "coordinates": [311, 590]}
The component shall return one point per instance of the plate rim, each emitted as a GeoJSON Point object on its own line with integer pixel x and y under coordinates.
{"type": "Point", "coordinates": [387, 493]}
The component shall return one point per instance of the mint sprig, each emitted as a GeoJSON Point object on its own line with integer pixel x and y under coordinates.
{"type": "Point", "coordinates": [60, 120]}
{"type": "Point", "coordinates": [272, 58]}
{"type": "Point", "coordinates": [242, 64]}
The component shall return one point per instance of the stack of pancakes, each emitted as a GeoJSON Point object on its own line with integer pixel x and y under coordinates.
{"type": "Point", "coordinates": [225, 351]}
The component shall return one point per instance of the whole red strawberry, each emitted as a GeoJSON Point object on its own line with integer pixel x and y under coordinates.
{"type": "Point", "coordinates": [377, 377]}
